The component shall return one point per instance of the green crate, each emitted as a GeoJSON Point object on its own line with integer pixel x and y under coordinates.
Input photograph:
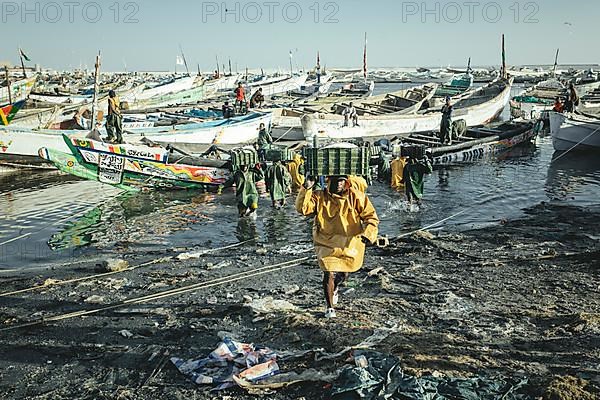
{"type": "Point", "coordinates": [337, 161]}
{"type": "Point", "coordinates": [243, 156]}
{"type": "Point", "coordinates": [279, 154]}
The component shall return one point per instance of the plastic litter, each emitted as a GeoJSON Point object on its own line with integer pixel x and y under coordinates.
{"type": "Point", "coordinates": [269, 305]}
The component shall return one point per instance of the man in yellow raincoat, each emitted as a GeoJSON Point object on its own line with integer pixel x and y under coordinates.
{"type": "Point", "coordinates": [397, 167]}
{"type": "Point", "coordinates": [296, 170]}
{"type": "Point", "coordinates": [359, 183]}
{"type": "Point", "coordinates": [345, 220]}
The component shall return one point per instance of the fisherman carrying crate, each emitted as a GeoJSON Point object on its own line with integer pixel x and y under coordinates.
{"type": "Point", "coordinates": [344, 222]}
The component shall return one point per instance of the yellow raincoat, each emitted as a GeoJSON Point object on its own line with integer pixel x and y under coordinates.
{"type": "Point", "coordinates": [295, 169]}
{"type": "Point", "coordinates": [340, 221]}
{"type": "Point", "coordinates": [397, 167]}
{"type": "Point", "coordinates": [359, 183]}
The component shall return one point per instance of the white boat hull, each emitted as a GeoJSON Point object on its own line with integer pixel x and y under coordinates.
{"type": "Point", "coordinates": [23, 144]}
{"type": "Point", "coordinates": [19, 90]}
{"type": "Point", "coordinates": [574, 132]}
{"type": "Point", "coordinates": [237, 133]}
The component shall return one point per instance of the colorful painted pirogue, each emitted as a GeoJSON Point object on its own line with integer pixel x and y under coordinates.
{"type": "Point", "coordinates": [7, 113]}
{"type": "Point", "coordinates": [134, 167]}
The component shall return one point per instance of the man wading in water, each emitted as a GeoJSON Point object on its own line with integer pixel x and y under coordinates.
{"type": "Point", "coordinates": [345, 220]}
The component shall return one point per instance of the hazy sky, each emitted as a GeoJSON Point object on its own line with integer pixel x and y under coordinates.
{"type": "Point", "coordinates": [146, 35]}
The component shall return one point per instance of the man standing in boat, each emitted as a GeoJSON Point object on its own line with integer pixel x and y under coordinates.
{"type": "Point", "coordinates": [349, 113]}
{"type": "Point", "coordinates": [446, 127]}
{"type": "Point", "coordinates": [574, 97]}
{"type": "Point", "coordinates": [240, 98]}
{"type": "Point", "coordinates": [246, 193]}
{"type": "Point", "coordinates": [345, 221]}
{"type": "Point", "coordinates": [114, 120]}
{"type": "Point", "coordinates": [279, 183]}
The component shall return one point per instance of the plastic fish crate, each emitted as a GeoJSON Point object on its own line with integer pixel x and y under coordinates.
{"type": "Point", "coordinates": [279, 154]}
{"type": "Point", "coordinates": [413, 151]}
{"type": "Point", "coordinates": [241, 157]}
{"type": "Point", "coordinates": [337, 161]}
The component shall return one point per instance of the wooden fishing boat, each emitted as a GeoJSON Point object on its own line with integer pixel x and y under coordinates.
{"type": "Point", "coordinates": [457, 85]}
{"type": "Point", "coordinates": [476, 143]}
{"type": "Point", "coordinates": [196, 137]}
{"type": "Point", "coordinates": [481, 107]}
{"type": "Point", "coordinates": [287, 123]}
{"type": "Point", "coordinates": [406, 101]}
{"type": "Point", "coordinates": [135, 167]}
{"type": "Point", "coordinates": [540, 98]}
{"type": "Point", "coordinates": [574, 132]}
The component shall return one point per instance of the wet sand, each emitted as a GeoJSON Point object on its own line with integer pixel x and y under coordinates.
{"type": "Point", "coordinates": [516, 299]}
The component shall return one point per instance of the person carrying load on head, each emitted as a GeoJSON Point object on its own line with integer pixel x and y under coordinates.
{"type": "Point", "coordinates": [279, 183]}
{"type": "Point", "coordinates": [413, 178]}
{"type": "Point", "coordinates": [296, 170]}
{"type": "Point", "coordinates": [446, 126]}
{"type": "Point", "coordinates": [244, 179]}
{"type": "Point", "coordinates": [397, 174]}
{"type": "Point", "coordinates": [345, 221]}
{"type": "Point", "coordinates": [114, 119]}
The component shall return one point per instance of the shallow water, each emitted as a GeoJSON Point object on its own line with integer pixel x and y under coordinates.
{"type": "Point", "coordinates": [49, 219]}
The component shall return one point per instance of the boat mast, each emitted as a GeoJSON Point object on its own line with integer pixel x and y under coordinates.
{"type": "Point", "coordinates": [230, 72]}
{"type": "Point", "coordinates": [96, 79]}
{"type": "Point", "coordinates": [184, 61]}
{"type": "Point", "coordinates": [217, 58]}
{"type": "Point", "coordinates": [291, 67]}
{"type": "Point", "coordinates": [503, 70]}
{"type": "Point", "coordinates": [555, 64]}
{"type": "Point", "coordinates": [365, 59]}
{"type": "Point", "coordinates": [8, 84]}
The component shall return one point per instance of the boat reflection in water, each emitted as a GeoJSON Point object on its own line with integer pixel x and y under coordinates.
{"type": "Point", "coordinates": [574, 176]}
{"type": "Point", "coordinates": [135, 219]}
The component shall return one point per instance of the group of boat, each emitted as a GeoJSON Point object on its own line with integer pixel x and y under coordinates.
{"type": "Point", "coordinates": [177, 137]}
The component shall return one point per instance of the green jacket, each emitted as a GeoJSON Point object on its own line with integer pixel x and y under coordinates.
{"type": "Point", "coordinates": [245, 185]}
{"type": "Point", "coordinates": [264, 139]}
{"type": "Point", "coordinates": [413, 177]}
{"type": "Point", "coordinates": [278, 181]}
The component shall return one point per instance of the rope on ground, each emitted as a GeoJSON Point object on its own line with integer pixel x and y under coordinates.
{"type": "Point", "coordinates": [51, 282]}
{"type": "Point", "coordinates": [168, 293]}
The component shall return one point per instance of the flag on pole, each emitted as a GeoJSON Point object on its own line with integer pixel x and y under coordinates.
{"type": "Point", "coordinates": [179, 61]}
{"type": "Point", "coordinates": [291, 54]}
{"type": "Point", "coordinates": [318, 60]}
{"type": "Point", "coordinates": [23, 55]}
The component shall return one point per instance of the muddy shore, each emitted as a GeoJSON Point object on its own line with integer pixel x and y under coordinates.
{"type": "Point", "coordinates": [517, 299]}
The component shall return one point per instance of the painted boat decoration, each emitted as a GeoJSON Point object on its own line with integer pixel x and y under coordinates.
{"type": "Point", "coordinates": [8, 112]}
{"type": "Point", "coordinates": [19, 90]}
{"type": "Point", "coordinates": [135, 167]}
